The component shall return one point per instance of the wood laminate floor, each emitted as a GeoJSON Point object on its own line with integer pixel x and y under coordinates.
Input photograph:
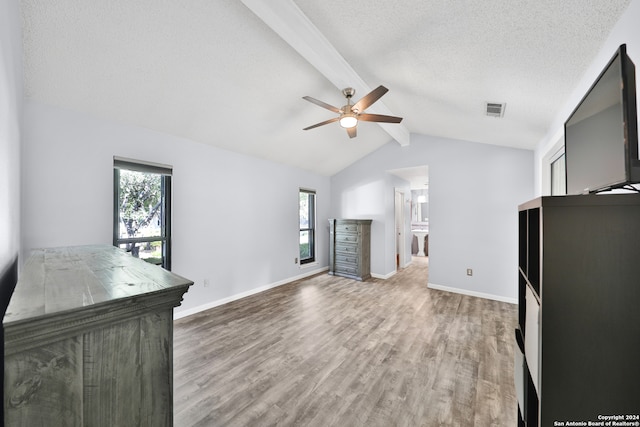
{"type": "Point", "coordinates": [330, 351]}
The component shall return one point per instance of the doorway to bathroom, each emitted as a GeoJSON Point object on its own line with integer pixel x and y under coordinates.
{"type": "Point", "coordinates": [412, 206]}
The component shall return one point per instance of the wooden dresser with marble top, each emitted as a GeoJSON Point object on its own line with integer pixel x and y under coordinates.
{"type": "Point", "coordinates": [89, 340]}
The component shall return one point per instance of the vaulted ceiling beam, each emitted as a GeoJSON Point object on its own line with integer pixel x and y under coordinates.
{"type": "Point", "coordinates": [287, 20]}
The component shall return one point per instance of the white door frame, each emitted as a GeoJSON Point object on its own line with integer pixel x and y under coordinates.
{"type": "Point", "coordinates": [399, 220]}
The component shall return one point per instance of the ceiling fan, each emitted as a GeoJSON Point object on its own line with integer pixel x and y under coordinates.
{"type": "Point", "coordinates": [349, 115]}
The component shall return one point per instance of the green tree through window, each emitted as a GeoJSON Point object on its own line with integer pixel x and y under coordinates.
{"type": "Point", "coordinates": [142, 224]}
{"type": "Point", "coordinates": [140, 199]}
{"type": "Point", "coordinates": [307, 205]}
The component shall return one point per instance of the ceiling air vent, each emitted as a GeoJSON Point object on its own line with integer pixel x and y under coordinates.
{"type": "Point", "coordinates": [494, 109]}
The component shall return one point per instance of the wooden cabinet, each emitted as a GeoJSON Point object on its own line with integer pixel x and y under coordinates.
{"type": "Point", "coordinates": [350, 248]}
{"type": "Point", "coordinates": [89, 340]}
{"type": "Point", "coordinates": [579, 325]}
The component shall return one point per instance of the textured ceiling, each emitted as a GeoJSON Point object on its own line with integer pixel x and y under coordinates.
{"type": "Point", "coordinates": [214, 72]}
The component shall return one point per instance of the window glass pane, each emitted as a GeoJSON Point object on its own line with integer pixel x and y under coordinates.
{"type": "Point", "coordinates": [142, 213]}
{"type": "Point", "coordinates": [148, 251]}
{"type": "Point", "coordinates": [558, 177]}
{"type": "Point", "coordinates": [140, 204]}
{"type": "Point", "coordinates": [307, 226]}
{"type": "Point", "coordinates": [305, 248]}
{"type": "Point", "coordinates": [304, 210]}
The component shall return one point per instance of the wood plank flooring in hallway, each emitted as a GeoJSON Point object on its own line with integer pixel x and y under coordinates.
{"type": "Point", "coordinates": [330, 351]}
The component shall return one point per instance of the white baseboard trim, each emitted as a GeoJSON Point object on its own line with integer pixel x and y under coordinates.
{"type": "Point", "coordinates": [191, 311]}
{"type": "Point", "coordinates": [472, 293]}
{"type": "Point", "coordinates": [389, 275]}
{"type": "Point", "coordinates": [383, 276]}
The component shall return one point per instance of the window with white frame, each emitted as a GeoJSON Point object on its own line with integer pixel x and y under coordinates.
{"type": "Point", "coordinates": [558, 174]}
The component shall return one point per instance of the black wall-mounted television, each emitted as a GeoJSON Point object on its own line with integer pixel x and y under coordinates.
{"type": "Point", "coordinates": [601, 135]}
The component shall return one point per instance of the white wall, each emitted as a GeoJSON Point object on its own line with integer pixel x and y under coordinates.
{"type": "Point", "coordinates": [626, 31]}
{"type": "Point", "coordinates": [235, 218]}
{"type": "Point", "coordinates": [474, 193]}
{"type": "Point", "coordinates": [11, 95]}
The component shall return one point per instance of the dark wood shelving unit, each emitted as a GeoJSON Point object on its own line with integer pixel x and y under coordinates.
{"type": "Point", "coordinates": [579, 309]}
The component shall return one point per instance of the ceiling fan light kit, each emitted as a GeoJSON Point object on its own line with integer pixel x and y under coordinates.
{"type": "Point", "coordinates": [349, 115]}
{"type": "Point", "coordinates": [348, 120]}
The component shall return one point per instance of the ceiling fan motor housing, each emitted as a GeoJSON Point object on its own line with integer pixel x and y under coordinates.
{"type": "Point", "coordinates": [348, 92]}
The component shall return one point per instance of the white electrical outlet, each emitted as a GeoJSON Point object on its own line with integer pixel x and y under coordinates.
{"type": "Point", "coordinates": [206, 283]}
{"type": "Point", "coordinates": [469, 272]}
{"type": "Point", "coordinates": [295, 260]}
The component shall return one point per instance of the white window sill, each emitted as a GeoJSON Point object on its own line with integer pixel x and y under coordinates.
{"type": "Point", "coordinates": [309, 264]}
